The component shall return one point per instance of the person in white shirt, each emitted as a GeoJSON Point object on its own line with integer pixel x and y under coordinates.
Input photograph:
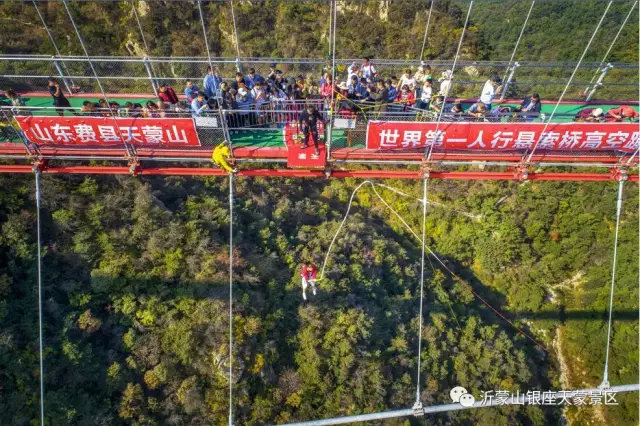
{"type": "Point", "coordinates": [368, 70]}
{"type": "Point", "coordinates": [408, 79]}
{"type": "Point", "coordinates": [488, 92]}
{"type": "Point", "coordinates": [425, 96]}
{"type": "Point", "coordinates": [353, 69]}
{"type": "Point", "coordinates": [445, 83]}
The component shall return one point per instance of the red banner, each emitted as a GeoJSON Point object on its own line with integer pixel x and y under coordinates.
{"type": "Point", "coordinates": [398, 135]}
{"type": "Point", "coordinates": [167, 132]}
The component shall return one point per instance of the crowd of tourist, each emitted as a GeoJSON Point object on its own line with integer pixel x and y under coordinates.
{"type": "Point", "coordinates": [259, 100]}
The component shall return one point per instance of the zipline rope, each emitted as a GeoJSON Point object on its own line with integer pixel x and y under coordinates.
{"type": "Point", "coordinates": [605, 375]}
{"type": "Point", "coordinates": [230, 299]}
{"type": "Point", "coordinates": [575, 70]}
{"type": "Point", "coordinates": [432, 253]}
{"type": "Point", "coordinates": [37, 173]}
{"type": "Point", "coordinates": [424, 227]}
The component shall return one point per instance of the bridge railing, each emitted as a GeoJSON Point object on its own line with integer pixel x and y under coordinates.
{"type": "Point", "coordinates": [135, 75]}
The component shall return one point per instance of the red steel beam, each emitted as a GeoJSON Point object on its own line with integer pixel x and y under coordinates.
{"type": "Point", "coordinates": [338, 153]}
{"type": "Point", "coordinates": [304, 173]}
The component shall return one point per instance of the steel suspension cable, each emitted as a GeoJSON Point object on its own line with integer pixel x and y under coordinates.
{"type": "Point", "coordinates": [605, 375]}
{"type": "Point", "coordinates": [223, 121]}
{"type": "Point", "coordinates": [144, 41]}
{"type": "Point", "coordinates": [453, 68]}
{"type": "Point", "coordinates": [418, 403]}
{"type": "Point", "coordinates": [53, 40]}
{"type": "Point", "coordinates": [37, 173]}
{"type": "Point", "coordinates": [329, 137]}
{"type": "Point", "coordinates": [235, 32]}
{"type": "Point", "coordinates": [130, 150]}
{"type": "Point", "coordinates": [604, 58]}
{"type": "Point", "coordinates": [230, 299]}
{"type": "Point", "coordinates": [426, 30]}
{"type": "Point", "coordinates": [513, 54]}
{"type": "Point", "coordinates": [575, 70]}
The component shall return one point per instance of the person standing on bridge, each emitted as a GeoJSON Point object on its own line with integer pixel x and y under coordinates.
{"type": "Point", "coordinates": [222, 155]}
{"type": "Point", "coordinates": [489, 91]}
{"type": "Point", "coordinates": [309, 126]}
{"type": "Point", "coordinates": [211, 84]}
{"type": "Point", "coordinates": [308, 272]}
{"type": "Point", "coordinates": [59, 101]}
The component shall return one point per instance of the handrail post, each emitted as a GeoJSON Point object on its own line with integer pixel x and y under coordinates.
{"type": "Point", "coordinates": [64, 79]}
{"type": "Point", "coordinates": [147, 65]}
{"type": "Point", "coordinates": [507, 84]}
{"type": "Point", "coordinates": [598, 83]}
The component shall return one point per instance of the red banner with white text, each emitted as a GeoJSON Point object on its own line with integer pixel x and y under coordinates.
{"type": "Point", "coordinates": [165, 132]}
{"type": "Point", "coordinates": [400, 135]}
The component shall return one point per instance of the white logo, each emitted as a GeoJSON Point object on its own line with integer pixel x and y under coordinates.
{"type": "Point", "coordinates": [460, 394]}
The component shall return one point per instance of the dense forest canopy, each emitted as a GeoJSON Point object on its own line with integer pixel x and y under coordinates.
{"type": "Point", "coordinates": [135, 281]}
{"type": "Point", "coordinates": [557, 31]}
{"type": "Point", "coordinates": [135, 269]}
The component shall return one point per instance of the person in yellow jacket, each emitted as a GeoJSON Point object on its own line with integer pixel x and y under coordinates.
{"type": "Point", "coordinates": [221, 155]}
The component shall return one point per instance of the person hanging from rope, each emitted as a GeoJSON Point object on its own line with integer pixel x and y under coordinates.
{"type": "Point", "coordinates": [308, 272]}
{"type": "Point", "coordinates": [223, 155]}
{"type": "Point", "coordinates": [309, 126]}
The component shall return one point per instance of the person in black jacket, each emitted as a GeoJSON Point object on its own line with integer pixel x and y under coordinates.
{"type": "Point", "coordinates": [59, 100]}
{"type": "Point", "coordinates": [529, 108]}
{"type": "Point", "coordinates": [308, 121]}
{"type": "Point", "coordinates": [379, 96]}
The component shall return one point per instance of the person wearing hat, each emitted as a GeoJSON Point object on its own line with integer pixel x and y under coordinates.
{"type": "Point", "coordinates": [445, 83]}
{"type": "Point", "coordinates": [489, 91]}
{"type": "Point", "coordinates": [620, 114]}
{"type": "Point", "coordinates": [590, 115]}
{"type": "Point", "coordinates": [222, 155]}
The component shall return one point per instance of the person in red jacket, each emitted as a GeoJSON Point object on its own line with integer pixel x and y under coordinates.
{"type": "Point", "coordinates": [308, 272]}
{"type": "Point", "coordinates": [406, 97]}
{"type": "Point", "coordinates": [167, 94]}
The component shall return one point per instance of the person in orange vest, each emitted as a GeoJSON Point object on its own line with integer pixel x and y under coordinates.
{"type": "Point", "coordinates": [308, 272]}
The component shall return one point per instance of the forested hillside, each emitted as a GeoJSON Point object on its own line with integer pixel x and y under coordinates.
{"type": "Point", "coordinates": [557, 31]}
{"type": "Point", "coordinates": [135, 280]}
